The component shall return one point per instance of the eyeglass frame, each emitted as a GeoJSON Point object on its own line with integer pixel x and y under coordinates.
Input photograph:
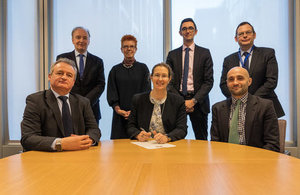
{"type": "Point", "coordinates": [189, 28]}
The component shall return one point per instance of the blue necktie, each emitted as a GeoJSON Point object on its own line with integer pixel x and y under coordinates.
{"type": "Point", "coordinates": [81, 65]}
{"type": "Point", "coordinates": [185, 71]}
{"type": "Point", "coordinates": [246, 61]}
{"type": "Point", "coordinates": [66, 116]}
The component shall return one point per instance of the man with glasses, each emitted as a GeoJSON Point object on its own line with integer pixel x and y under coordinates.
{"type": "Point", "coordinates": [90, 80]}
{"type": "Point", "coordinates": [260, 62]}
{"type": "Point", "coordinates": [193, 77]}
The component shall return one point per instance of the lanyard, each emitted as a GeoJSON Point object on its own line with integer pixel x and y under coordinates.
{"type": "Point", "coordinates": [246, 58]}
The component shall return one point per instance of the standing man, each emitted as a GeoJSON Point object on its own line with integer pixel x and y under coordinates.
{"type": "Point", "coordinates": [193, 77]}
{"type": "Point", "coordinates": [244, 118]}
{"type": "Point", "coordinates": [90, 81]}
{"type": "Point", "coordinates": [57, 120]}
{"type": "Point", "coordinates": [259, 61]}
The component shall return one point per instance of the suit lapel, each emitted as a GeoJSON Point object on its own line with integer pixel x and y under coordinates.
{"type": "Point", "coordinates": [73, 57]}
{"type": "Point", "coordinates": [179, 60]}
{"type": "Point", "coordinates": [88, 63]}
{"type": "Point", "coordinates": [250, 114]}
{"type": "Point", "coordinates": [236, 60]}
{"type": "Point", "coordinates": [196, 61]}
{"type": "Point", "coordinates": [225, 112]}
{"type": "Point", "coordinates": [52, 103]}
{"type": "Point", "coordinates": [75, 113]}
{"type": "Point", "coordinates": [253, 60]}
{"type": "Point", "coordinates": [147, 109]}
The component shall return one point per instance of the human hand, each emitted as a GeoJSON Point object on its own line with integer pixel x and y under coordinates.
{"type": "Point", "coordinates": [160, 138]}
{"type": "Point", "coordinates": [143, 136]}
{"type": "Point", "coordinates": [121, 112]}
{"type": "Point", "coordinates": [76, 142]}
{"type": "Point", "coordinates": [189, 105]}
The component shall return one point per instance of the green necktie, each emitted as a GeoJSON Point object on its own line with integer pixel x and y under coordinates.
{"type": "Point", "coordinates": [233, 131]}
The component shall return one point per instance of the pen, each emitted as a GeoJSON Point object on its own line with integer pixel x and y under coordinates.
{"type": "Point", "coordinates": [152, 135]}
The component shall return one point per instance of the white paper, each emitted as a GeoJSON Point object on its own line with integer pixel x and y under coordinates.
{"type": "Point", "coordinates": [152, 144]}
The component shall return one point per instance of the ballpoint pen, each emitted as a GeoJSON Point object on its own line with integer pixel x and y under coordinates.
{"type": "Point", "coordinates": [152, 135]}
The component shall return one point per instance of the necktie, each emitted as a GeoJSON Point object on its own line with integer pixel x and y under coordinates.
{"type": "Point", "coordinates": [81, 65]}
{"type": "Point", "coordinates": [66, 116]}
{"type": "Point", "coordinates": [246, 60]}
{"type": "Point", "coordinates": [185, 71]}
{"type": "Point", "coordinates": [233, 131]}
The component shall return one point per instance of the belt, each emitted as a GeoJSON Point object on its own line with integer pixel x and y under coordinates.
{"type": "Point", "coordinates": [189, 95]}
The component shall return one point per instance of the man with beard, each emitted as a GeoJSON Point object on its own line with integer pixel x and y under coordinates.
{"type": "Point", "coordinates": [244, 118]}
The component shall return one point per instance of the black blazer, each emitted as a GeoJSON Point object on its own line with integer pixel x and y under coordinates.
{"type": "Point", "coordinates": [173, 116]}
{"type": "Point", "coordinates": [202, 74]}
{"type": "Point", "coordinates": [42, 122]}
{"type": "Point", "coordinates": [261, 124]}
{"type": "Point", "coordinates": [264, 74]}
{"type": "Point", "coordinates": [92, 84]}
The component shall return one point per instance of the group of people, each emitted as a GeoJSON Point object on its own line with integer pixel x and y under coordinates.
{"type": "Point", "coordinates": [66, 116]}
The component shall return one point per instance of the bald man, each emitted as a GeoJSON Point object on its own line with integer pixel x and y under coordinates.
{"type": "Point", "coordinates": [244, 118]}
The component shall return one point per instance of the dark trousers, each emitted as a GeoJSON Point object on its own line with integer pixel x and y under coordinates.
{"type": "Point", "coordinates": [198, 120]}
{"type": "Point", "coordinates": [199, 123]}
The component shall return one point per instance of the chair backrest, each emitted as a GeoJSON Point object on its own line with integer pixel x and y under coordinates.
{"type": "Point", "coordinates": [282, 129]}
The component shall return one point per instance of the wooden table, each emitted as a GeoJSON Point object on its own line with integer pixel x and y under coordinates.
{"type": "Point", "coordinates": [119, 167]}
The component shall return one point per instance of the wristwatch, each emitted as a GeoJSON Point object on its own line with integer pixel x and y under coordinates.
{"type": "Point", "coordinates": [58, 145]}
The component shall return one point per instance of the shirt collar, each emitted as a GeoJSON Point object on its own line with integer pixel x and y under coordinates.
{"type": "Point", "coordinates": [243, 99]}
{"type": "Point", "coordinates": [77, 53]}
{"type": "Point", "coordinates": [242, 52]}
{"type": "Point", "coordinates": [57, 95]}
{"type": "Point", "coordinates": [192, 47]}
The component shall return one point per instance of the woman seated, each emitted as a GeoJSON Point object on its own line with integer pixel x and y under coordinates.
{"type": "Point", "coordinates": [158, 114]}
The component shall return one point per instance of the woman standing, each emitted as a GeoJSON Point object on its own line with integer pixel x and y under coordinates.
{"type": "Point", "coordinates": [125, 79]}
{"type": "Point", "coordinates": [158, 114]}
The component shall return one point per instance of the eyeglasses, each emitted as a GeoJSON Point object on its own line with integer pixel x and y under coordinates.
{"type": "Point", "coordinates": [189, 28]}
{"type": "Point", "coordinates": [240, 34]}
{"type": "Point", "coordinates": [163, 76]}
{"type": "Point", "coordinates": [128, 46]}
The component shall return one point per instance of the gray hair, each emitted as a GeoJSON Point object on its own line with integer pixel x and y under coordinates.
{"type": "Point", "coordinates": [64, 60]}
{"type": "Point", "coordinates": [80, 27]}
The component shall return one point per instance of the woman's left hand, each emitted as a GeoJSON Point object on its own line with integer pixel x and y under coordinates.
{"type": "Point", "coordinates": [160, 138]}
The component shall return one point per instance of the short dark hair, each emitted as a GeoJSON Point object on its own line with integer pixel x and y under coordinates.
{"type": "Point", "coordinates": [187, 20]}
{"type": "Point", "coordinates": [80, 27]}
{"type": "Point", "coordinates": [241, 24]}
{"type": "Point", "coordinates": [163, 65]}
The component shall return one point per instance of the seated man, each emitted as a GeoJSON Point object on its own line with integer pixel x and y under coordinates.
{"type": "Point", "coordinates": [244, 118]}
{"type": "Point", "coordinates": [55, 119]}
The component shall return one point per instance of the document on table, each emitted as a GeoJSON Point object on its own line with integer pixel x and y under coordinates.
{"type": "Point", "coordinates": [152, 144]}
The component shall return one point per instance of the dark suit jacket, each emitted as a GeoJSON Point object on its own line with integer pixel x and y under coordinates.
{"type": "Point", "coordinates": [42, 122]}
{"type": "Point", "coordinates": [264, 74]}
{"type": "Point", "coordinates": [173, 116]}
{"type": "Point", "coordinates": [92, 84]}
{"type": "Point", "coordinates": [261, 124]}
{"type": "Point", "coordinates": [202, 74]}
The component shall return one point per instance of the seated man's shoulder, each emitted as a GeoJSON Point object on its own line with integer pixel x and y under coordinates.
{"type": "Point", "coordinates": [218, 104]}
{"type": "Point", "coordinates": [80, 98]}
{"type": "Point", "coordinates": [37, 96]}
{"type": "Point", "coordinates": [262, 100]}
